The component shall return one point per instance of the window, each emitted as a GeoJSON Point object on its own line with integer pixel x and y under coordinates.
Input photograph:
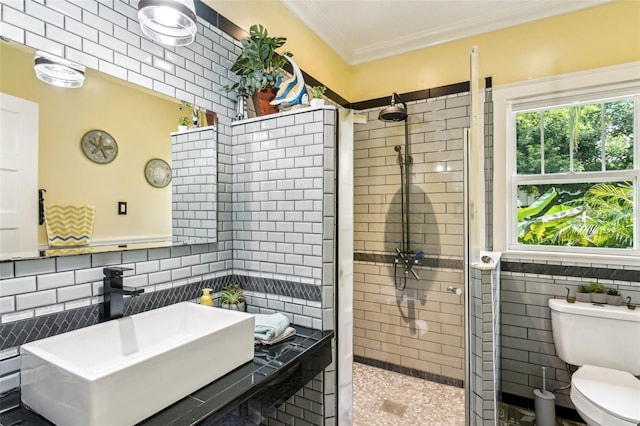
{"type": "Point", "coordinates": [574, 175]}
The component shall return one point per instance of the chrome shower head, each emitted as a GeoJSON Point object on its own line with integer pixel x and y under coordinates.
{"type": "Point", "coordinates": [394, 112]}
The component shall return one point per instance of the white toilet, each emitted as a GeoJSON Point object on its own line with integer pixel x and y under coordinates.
{"type": "Point", "coordinates": [605, 342]}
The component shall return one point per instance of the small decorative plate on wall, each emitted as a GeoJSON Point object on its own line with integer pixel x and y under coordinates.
{"type": "Point", "coordinates": [157, 172]}
{"type": "Point", "coordinates": [99, 146]}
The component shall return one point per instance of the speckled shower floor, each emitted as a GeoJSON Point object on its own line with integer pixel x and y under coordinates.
{"type": "Point", "coordinates": [383, 398]}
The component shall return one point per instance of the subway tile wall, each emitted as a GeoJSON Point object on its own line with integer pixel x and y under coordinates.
{"type": "Point", "coordinates": [284, 200]}
{"type": "Point", "coordinates": [421, 328]}
{"type": "Point", "coordinates": [527, 340]}
{"type": "Point", "coordinates": [194, 186]}
{"type": "Point", "coordinates": [484, 314]}
{"type": "Point", "coordinates": [105, 35]}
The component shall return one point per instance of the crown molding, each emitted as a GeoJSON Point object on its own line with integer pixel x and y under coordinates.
{"type": "Point", "coordinates": [478, 17]}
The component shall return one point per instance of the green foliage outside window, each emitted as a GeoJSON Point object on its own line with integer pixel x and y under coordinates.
{"type": "Point", "coordinates": [567, 141]}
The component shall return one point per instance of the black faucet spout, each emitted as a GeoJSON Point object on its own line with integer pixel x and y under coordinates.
{"type": "Point", "coordinates": [114, 292]}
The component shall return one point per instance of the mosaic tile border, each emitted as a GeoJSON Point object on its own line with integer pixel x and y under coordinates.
{"type": "Point", "coordinates": [431, 262]}
{"type": "Point", "coordinates": [280, 287]}
{"type": "Point", "coordinates": [572, 271]}
{"type": "Point", "coordinates": [20, 332]}
{"type": "Point", "coordinates": [409, 371]}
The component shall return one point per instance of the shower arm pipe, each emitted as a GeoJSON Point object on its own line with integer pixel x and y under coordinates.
{"type": "Point", "coordinates": [395, 96]}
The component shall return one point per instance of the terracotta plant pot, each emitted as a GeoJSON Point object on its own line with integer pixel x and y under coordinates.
{"type": "Point", "coordinates": [583, 297]}
{"type": "Point", "coordinates": [261, 99]}
{"type": "Point", "coordinates": [614, 300]}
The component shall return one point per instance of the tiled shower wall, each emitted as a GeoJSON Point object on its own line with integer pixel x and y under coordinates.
{"type": "Point", "coordinates": [527, 340]}
{"type": "Point", "coordinates": [422, 327]}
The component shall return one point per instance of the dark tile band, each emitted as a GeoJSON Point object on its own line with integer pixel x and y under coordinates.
{"type": "Point", "coordinates": [19, 332]}
{"type": "Point", "coordinates": [431, 262]}
{"type": "Point", "coordinates": [572, 271]}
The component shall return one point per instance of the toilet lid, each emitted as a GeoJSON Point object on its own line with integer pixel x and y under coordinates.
{"type": "Point", "coordinates": [617, 392]}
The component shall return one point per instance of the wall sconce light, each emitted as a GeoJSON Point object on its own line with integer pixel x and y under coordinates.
{"type": "Point", "coordinates": [170, 22]}
{"type": "Point", "coordinates": [57, 71]}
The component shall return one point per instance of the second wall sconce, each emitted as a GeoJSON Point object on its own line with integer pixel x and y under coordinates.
{"type": "Point", "coordinates": [170, 22]}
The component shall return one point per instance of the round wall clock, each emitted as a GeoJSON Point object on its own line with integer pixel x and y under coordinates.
{"type": "Point", "coordinates": [157, 172]}
{"type": "Point", "coordinates": [99, 146]}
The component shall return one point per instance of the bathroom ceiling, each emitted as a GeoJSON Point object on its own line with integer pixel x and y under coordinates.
{"type": "Point", "coordinates": [364, 30]}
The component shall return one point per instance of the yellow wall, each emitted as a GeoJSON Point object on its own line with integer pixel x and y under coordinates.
{"type": "Point", "coordinates": [591, 38]}
{"type": "Point", "coordinates": [309, 52]}
{"type": "Point", "coordinates": [139, 122]}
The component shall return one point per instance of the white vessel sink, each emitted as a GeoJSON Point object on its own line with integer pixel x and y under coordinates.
{"type": "Point", "coordinates": [123, 371]}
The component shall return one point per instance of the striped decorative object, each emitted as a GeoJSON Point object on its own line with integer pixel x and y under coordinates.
{"type": "Point", "coordinates": [69, 226]}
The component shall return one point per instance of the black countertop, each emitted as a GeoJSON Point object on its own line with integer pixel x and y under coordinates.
{"type": "Point", "coordinates": [274, 375]}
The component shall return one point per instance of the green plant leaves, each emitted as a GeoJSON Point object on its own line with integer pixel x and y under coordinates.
{"type": "Point", "coordinates": [259, 65]}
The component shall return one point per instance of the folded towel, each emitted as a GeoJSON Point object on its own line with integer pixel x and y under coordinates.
{"type": "Point", "coordinates": [69, 225]}
{"type": "Point", "coordinates": [288, 332]}
{"type": "Point", "coordinates": [270, 326]}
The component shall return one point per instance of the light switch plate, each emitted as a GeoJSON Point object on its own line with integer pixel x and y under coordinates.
{"type": "Point", "coordinates": [122, 207]}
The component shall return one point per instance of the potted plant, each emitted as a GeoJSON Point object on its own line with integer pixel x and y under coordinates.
{"type": "Point", "coordinates": [183, 120]}
{"type": "Point", "coordinates": [317, 93]}
{"type": "Point", "coordinates": [232, 298]}
{"type": "Point", "coordinates": [598, 294]}
{"type": "Point", "coordinates": [584, 293]}
{"type": "Point", "coordinates": [614, 297]}
{"type": "Point", "coordinates": [259, 67]}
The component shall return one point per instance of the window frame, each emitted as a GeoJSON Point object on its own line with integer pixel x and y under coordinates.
{"type": "Point", "coordinates": [584, 87]}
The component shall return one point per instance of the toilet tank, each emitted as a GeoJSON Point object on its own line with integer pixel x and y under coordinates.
{"type": "Point", "coordinates": [605, 336]}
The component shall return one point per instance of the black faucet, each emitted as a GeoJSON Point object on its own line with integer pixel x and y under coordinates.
{"type": "Point", "coordinates": [113, 290]}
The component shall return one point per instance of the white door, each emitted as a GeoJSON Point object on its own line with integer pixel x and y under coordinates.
{"type": "Point", "coordinates": [18, 177]}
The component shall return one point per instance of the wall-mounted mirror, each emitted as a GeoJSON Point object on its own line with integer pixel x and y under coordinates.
{"type": "Point", "coordinates": [139, 120]}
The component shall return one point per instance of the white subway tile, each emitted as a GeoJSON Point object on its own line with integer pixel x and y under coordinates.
{"type": "Point", "coordinates": [112, 43]}
{"type": "Point", "coordinates": [33, 300]}
{"type": "Point", "coordinates": [17, 316]}
{"type": "Point", "coordinates": [113, 70]}
{"type": "Point", "coordinates": [97, 22]}
{"type": "Point", "coordinates": [66, 8]}
{"type": "Point", "coordinates": [159, 277]}
{"type": "Point", "coordinates": [51, 309]}
{"type": "Point", "coordinates": [45, 14]}
{"type": "Point", "coordinates": [14, 286]}
{"type": "Point", "coordinates": [22, 20]}
{"type": "Point", "coordinates": [82, 30]}
{"type": "Point", "coordinates": [89, 275]}
{"type": "Point", "coordinates": [81, 303]}
{"type": "Point", "coordinates": [74, 292]}
{"type": "Point", "coordinates": [12, 32]}
{"type": "Point", "coordinates": [97, 50]}
{"type": "Point", "coordinates": [112, 16]}
{"type": "Point", "coordinates": [7, 304]}
{"type": "Point", "coordinates": [41, 43]}
{"type": "Point", "coordinates": [60, 279]}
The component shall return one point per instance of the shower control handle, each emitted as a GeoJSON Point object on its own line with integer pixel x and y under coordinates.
{"type": "Point", "coordinates": [455, 290]}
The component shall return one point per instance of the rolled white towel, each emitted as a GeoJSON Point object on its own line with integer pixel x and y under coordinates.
{"type": "Point", "coordinates": [270, 326]}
